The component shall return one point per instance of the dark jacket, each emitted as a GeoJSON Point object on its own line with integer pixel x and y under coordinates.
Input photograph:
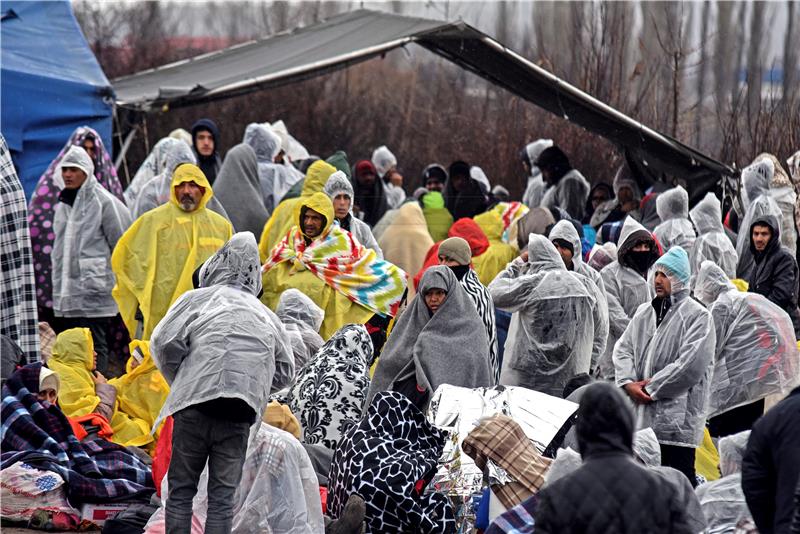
{"type": "Point", "coordinates": [775, 273]}
{"type": "Point", "coordinates": [610, 492]}
{"type": "Point", "coordinates": [771, 466]}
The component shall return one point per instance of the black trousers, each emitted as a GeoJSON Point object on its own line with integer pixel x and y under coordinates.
{"type": "Point", "coordinates": [99, 326]}
{"type": "Point", "coordinates": [680, 458]}
{"type": "Point", "coordinates": [736, 420]}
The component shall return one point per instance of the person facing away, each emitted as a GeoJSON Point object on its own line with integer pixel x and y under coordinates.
{"type": "Point", "coordinates": [566, 187]}
{"type": "Point", "coordinates": [216, 347]}
{"type": "Point", "coordinates": [675, 229]}
{"type": "Point", "coordinates": [535, 187]}
{"type": "Point", "coordinates": [205, 140]}
{"type": "Point", "coordinates": [610, 492]}
{"type": "Point", "coordinates": [711, 243]}
{"type": "Point", "coordinates": [386, 165]}
{"type": "Point", "coordinates": [155, 258]}
{"type": "Point", "coordinates": [463, 195]}
{"type": "Point", "coordinates": [88, 223]}
{"type": "Point", "coordinates": [625, 281]}
{"type": "Point", "coordinates": [774, 274]}
{"type": "Point", "coordinates": [340, 190]}
{"type": "Point", "coordinates": [664, 362]}
{"type": "Point", "coordinates": [557, 329]}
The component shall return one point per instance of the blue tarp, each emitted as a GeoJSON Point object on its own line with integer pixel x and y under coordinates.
{"type": "Point", "coordinates": [51, 84]}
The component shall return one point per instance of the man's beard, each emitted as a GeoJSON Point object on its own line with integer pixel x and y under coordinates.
{"type": "Point", "coordinates": [188, 203]}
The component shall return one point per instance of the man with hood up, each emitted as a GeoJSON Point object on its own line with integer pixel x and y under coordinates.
{"type": "Point", "coordinates": [566, 187]}
{"type": "Point", "coordinates": [534, 191]}
{"type": "Point", "coordinates": [557, 327]}
{"type": "Point", "coordinates": [711, 243]}
{"type": "Point", "coordinates": [216, 347]}
{"type": "Point", "coordinates": [625, 282]}
{"type": "Point", "coordinates": [369, 203]}
{"type": "Point", "coordinates": [344, 278]}
{"type": "Point", "coordinates": [205, 140]}
{"type": "Point", "coordinates": [756, 202]}
{"type": "Point", "coordinates": [625, 497]}
{"type": "Point", "coordinates": [386, 165]}
{"type": "Point", "coordinates": [88, 223]}
{"type": "Point", "coordinates": [675, 229]}
{"type": "Point", "coordinates": [340, 191]}
{"type": "Point", "coordinates": [775, 272]}
{"type": "Point", "coordinates": [154, 260]}
{"type": "Point", "coordinates": [664, 361]}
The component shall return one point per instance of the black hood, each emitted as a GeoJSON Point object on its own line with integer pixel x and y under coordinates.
{"type": "Point", "coordinates": [774, 242]}
{"type": "Point", "coordinates": [605, 422]}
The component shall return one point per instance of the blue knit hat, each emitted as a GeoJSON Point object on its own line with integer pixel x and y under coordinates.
{"type": "Point", "coordinates": [676, 261]}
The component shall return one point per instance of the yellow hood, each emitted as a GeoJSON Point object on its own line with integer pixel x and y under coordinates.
{"type": "Point", "coordinates": [189, 172]}
{"type": "Point", "coordinates": [316, 177]}
{"type": "Point", "coordinates": [491, 224]}
{"type": "Point", "coordinates": [74, 348]}
{"type": "Point", "coordinates": [320, 203]}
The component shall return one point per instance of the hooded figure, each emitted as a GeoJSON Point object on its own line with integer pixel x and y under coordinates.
{"type": "Point", "coordinates": [239, 191]}
{"type": "Point", "coordinates": [667, 354]}
{"type": "Point", "coordinates": [282, 219]}
{"type": "Point", "coordinates": [210, 163]}
{"type": "Point", "coordinates": [675, 229]}
{"type": "Point", "coordinates": [627, 498]}
{"type": "Point", "coordinates": [534, 191]}
{"type": "Point", "coordinates": [275, 179]}
{"type": "Point", "coordinates": [385, 164]}
{"type": "Point", "coordinates": [343, 278]}
{"type": "Point", "coordinates": [712, 243]}
{"type": "Point", "coordinates": [781, 189]}
{"type": "Point", "coordinates": [158, 191]}
{"type": "Point", "coordinates": [722, 500]}
{"type": "Point", "coordinates": [329, 392]}
{"type": "Point", "coordinates": [217, 347]}
{"type": "Point", "coordinates": [557, 328]}
{"type": "Point", "coordinates": [756, 202]}
{"type": "Point", "coordinates": [154, 260]}
{"type": "Point", "coordinates": [155, 164]}
{"type": "Point", "coordinates": [464, 196]}
{"type": "Point", "coordinates": [626, 285]}
{"type": "Point", "coordinates": [339, 185]}
{"type": "Point", "coordinates": [756, 353]}
{"type": "Point", "coordinates": [627, 197]}
{"type": "Point", "coordinates": [427, 349]}
{"type": "Point", "coordinates": [18, 314]}
{"type": "Point", "coordinates": [599, 194]}
{"type": "Point", "coordinates": [302, 319]}
{"type": "Point", "coordinates": [436, 215]}
{"type": "Point", "coordinates": [774, 274]}
{"type": "Point", "coordinates": [407, 240]}
{"type": "Point", "coordinates": [497, 256]}
{"type": "Point", "coordinates": [41, 210]}
{"type": "Point", "coordinates": [567, 188]}
{"type": "Point", "coordinates": [369, 203]}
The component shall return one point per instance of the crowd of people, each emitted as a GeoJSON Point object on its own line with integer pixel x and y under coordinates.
{"type": "Point", "coordinates": [264, 342]}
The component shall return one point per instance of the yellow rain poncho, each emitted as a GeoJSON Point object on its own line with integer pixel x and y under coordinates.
{"type": "Point", "coordinates": [154, 260]}
{"type": "Point", "coordinates": [282, 219]}
{"type": "Point", "coordinates": [141, 392]}
{"type": "Point", "coordinates": [348, 281]}
{"type": "Point", "coordinates": [497, 256]}
{"type": "Point", "coordinates": [73, 360]}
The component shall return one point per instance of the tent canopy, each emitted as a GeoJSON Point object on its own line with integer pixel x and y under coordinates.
{"type": "Point", "coordinates": [51, 84]}
{"type": "Point", "coordinates": [360, 35]}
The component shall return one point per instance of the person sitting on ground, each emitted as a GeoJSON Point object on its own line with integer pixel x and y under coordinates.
{"type": "Point", "coordinates": [216, 347]}
{"type": "Point", "coordinates": [675, 229]}
{"type": "Point", "coordinates": [566, 187]}
{"type": "Point", "coordinates": [302, 319]}
{"type": "Point", "coordinates": [416, 359]}
{"type": "Point", "coordinates": [348, 281]}
{"type": "Point", "coordinates": [605, 429]}
{"type": "Point", "coordinates": [665, 360]}
{"type": "Point", "coordinates": [88, 223]}
{"type": "Point", "coordinates": [756, 352]}
{"type": "Point", "coordinates": [155, 258]}
{"type": "Point", "coordinates": [340, 191]}
{"type": "Point", "coordinates": [557, 328]}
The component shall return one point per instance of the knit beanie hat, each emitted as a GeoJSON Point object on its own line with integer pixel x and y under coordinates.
{"type": "Point", "coordinates": [456, 249]}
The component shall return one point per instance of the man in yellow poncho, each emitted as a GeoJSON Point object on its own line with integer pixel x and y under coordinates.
{"type": "Point", "coordinates": [497, 256]}
{"type": "Point", "coordinates": [84, 391]}
{"type": "Point", "coordinates": [349, 282]}
{"type": "Point", "coordinates": [154, 260]}
{"type": "Point", "coordinates": [282, 219]}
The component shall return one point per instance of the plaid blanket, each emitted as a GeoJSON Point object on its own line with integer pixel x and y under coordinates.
{"type": "Point", "coordinates": [40, 435]}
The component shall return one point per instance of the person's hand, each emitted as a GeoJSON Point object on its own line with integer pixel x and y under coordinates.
{"type": "Point", "coordinates": [99, 378]}
{"type": "Point", "coordinates": [636, 392]}
{"type": "Point", "coordinates": [524, 255]}
{"type": "Point", "coordinates": [396, 179]}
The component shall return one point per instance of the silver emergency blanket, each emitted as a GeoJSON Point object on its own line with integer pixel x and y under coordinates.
{"type": "Point", "coordinates": [459, 410]}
